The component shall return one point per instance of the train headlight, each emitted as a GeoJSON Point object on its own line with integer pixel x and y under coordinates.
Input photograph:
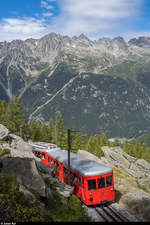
{"type": "Point", "coordinates": [90, 193]}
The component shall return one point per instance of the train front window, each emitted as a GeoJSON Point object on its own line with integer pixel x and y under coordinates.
{"type": "Point", "coordinates": [109, 181]}
{"type": "Point", "coordinates": [91, 185]}
{"type": "Point", "coordinates": [101, 182]}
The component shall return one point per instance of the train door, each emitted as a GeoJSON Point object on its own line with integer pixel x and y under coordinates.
{"type": "Point", "coordinates": [49, 161]}
{"type": "Point", "coordinates": [65, 175]}
{"type": "Point", "coordinates": [80, 188]}
{"type": "Point", "coordinates": [61, 172]}
{"type": "Point", "coordinates": [91, 191]}
{"type": "Point", "coordinates": [103, 195]}
{"type": "Point", "coordinates": [74, 183]}
{"type": "Point", "coordinates": [57, 169]}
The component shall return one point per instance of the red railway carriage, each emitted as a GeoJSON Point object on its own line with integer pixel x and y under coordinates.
{"type": "Point", "coordinates": [40, 149]}
{"type": "Point", "coordinates": [92, 182]}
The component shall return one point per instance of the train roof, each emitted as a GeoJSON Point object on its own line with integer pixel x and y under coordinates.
{"type": "Point", "coordinates": [83, 166]}
{"type": "Point", "coordinates": [45, 149]}
{"type": "Point", "coordinates": [42, 146]}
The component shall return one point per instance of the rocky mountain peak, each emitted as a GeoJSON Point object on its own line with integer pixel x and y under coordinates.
{"type": "Point", "coordinates": [83, 37]}
{"type": "Point", "coordinates": [120, 43]}
{"type": "Point", "coordinates": [119, 39]}
{"type": "Point", "coordinates": [143, 42]}
{"type": "Point", "coordinates": [113, 45]}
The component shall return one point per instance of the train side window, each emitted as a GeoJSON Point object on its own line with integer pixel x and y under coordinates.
{"type": "Point", "coordinates": [38, 155]}
{"type": "Point", "coordinates": [58, 167]}
{"type": "Point", "coordinates": [71, 174]}
{"type": "Point", "coordinates": [101, 182]}
{"type": "Point", "coordinates": [64, 171]}
{"type": "Point", "coordinates": [43, 156]}
{"type": "Point", "coordinates": [109, 181]}
{"type": "Point", "coordinates": [75, 180]}
{"type": "Point", "coordinates": [80, 183]}
{"type": "Point", "coordinates": [91, 185]}
{"type": "Point", "coordinates": [49, 160]}
{"type": "Point", "coordinates": [55, 164]}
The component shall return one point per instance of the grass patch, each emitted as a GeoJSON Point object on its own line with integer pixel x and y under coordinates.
{"type": "Point", "coordinates": [14, 206]}
{"type": "Point", "coordinates": [69, 211]}
{"type": "Point", "coordinates": [4, 152]}
{"type": "Point", "coordinates": [2, 142]}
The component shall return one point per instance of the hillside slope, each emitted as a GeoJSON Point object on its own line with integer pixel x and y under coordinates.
{"type": "Point", "coordinates": [95, 84]}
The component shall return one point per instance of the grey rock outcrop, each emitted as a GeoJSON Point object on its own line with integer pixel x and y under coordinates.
{"type": "Point", "coordinates": [138, 168]}
{"type": "Point", "coordinates": [4, 132]}
{"type": "Point", "coordinates": [17, 146]}
{"type": "Point", "coordinates": [26, 174]}
{"type": "Point", "coordinates": [90, 156]}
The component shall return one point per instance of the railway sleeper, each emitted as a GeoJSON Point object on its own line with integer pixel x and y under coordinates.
{"type": "Point", "coordinates": [104, 215]}
{"type": "Point", "coordinates": [113, 214]}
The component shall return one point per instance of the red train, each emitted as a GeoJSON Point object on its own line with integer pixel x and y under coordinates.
{"type": "Point", "coordinates": [93, 182]}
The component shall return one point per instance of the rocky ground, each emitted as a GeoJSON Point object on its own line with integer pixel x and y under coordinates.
{"type": "Point", "coordinates": [131, 175]}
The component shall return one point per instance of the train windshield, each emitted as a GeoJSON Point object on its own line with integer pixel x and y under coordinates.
{"type": "Point", "coordinates": [101, 182]}
{"type": "Point", "coordinates": [91, 184]}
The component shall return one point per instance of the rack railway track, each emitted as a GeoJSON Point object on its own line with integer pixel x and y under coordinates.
{"type": "Point", "coordinates": [109, 213]}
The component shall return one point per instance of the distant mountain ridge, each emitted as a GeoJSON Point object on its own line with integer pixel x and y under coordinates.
{"type": "Point", "coordinates": [103, 83]}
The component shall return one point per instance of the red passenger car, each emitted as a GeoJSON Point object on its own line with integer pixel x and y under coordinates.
{"type": "Point", "coordinates": [92, 181]}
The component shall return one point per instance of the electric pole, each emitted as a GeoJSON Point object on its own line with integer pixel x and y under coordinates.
{"type": "Point", "coordinates": [69, 148]}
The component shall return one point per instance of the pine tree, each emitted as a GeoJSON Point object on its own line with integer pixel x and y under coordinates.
{"type": "Point", "coordinates": [94, 145]}
{"type": "Point", "coordinates": [43, 133]}
{"type": "Point", "coordinates": [103, 140]}
{"type": "Point", "coordinates": [90, 144]}
{"type": "Point", "coordinates": [61, 133]}
{"type": "Point", "coordinates": [51, 131]}
{"type": "Point", "coordinates": [3, 107]}
{"type": "Point", "coordinates": [34, 131]}
{"type": "Point", "coordinates": [15, 119]}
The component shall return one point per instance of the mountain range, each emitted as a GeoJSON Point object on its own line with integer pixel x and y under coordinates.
{"type": "Point", "coordinates": [95, 84]}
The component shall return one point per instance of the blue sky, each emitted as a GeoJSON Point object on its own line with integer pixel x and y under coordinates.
{"type": "Point", "coordinates": [95, 18]}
